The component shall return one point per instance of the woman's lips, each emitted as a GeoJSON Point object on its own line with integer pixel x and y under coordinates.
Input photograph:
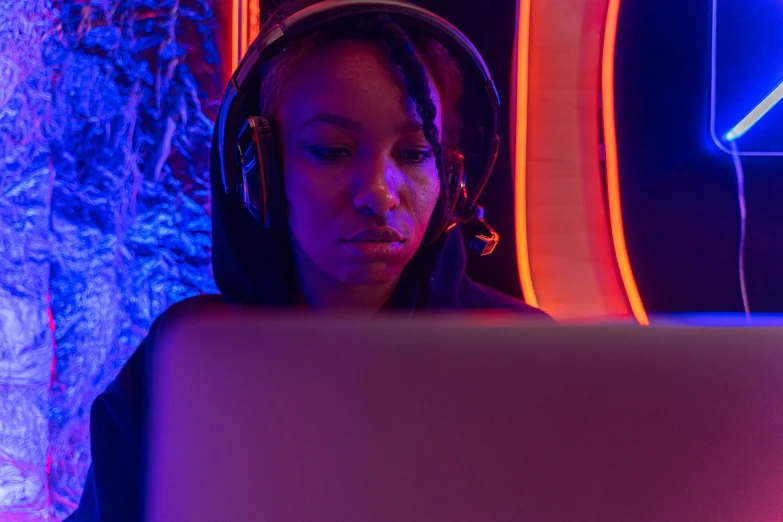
{"type": "Point", "coordinates": [379, 234]}
{"type": "Point", "coordinates": [376, 244]}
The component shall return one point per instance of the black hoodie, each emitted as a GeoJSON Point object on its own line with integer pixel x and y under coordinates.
{"type": "Point", "coordinates": [252, 266]}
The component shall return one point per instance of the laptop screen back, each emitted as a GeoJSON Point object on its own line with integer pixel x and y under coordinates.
{"type": "Point", "coordinates": [470, 418]}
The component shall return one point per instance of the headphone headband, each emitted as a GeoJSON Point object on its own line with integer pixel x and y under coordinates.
{"type": "Point", "coordinates": [331, 12]}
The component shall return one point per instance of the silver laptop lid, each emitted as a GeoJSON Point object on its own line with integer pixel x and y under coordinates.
{"type": "Point", "coordinates": [464, 419]}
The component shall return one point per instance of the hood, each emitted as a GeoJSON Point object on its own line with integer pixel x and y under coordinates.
{"type": "Point", "coordinates": [255, 266]}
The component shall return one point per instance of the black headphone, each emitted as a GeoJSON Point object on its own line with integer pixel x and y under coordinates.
{"type": "Point", "coordinates": [253, 166]}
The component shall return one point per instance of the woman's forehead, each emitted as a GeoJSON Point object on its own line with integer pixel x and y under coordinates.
{"type": "Point", "coordinates": [353, 79]}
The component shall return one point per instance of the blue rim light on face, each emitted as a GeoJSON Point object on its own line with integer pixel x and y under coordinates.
{"type": "Point", "coordinates": [756, 114]}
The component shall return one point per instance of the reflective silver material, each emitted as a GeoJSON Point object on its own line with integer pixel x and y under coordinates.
{"type": "Point", "coordinates": [25, 191]}
{"type": "Point", "coordinates": [114, 101]}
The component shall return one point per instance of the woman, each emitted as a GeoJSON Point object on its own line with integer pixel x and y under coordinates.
{"type": "Point", "coordinates": [359, 112]}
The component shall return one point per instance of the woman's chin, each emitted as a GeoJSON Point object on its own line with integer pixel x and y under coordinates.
{"type": "Point", "coordinates": [374, 274]}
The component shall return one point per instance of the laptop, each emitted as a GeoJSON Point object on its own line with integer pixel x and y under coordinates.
{"type": "Point", "coordinates": [463, 418]}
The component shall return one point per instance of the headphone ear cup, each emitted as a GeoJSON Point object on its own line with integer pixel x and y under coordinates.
{"type": "Point", "coordinates": [260, 173]}
{"type": "Point", "coordinates": [457, 192]}
{"type": "Point", "coordinates": [453, 197]}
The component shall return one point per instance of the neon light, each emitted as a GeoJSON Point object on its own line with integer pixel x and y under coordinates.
{"type": "Point", "coordinates": [235, 34]}
{"type": "Point", "coordinates": [245, 21]}
{"type": "Point", "coordinates": [253, 20]}
{"type": "Point", "coordinates": [520, 151]}
{"type": "Point", "coordinates": [612, 169]}
{"type": "Point", "coordinates": [244, 28]}
{"type": "Point", "coordinates": [756, 114]}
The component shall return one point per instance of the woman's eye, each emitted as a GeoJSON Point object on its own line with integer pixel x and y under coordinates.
{"type": "Point", "coordinates": [329, 153]}
{"type": "Point", "coordinates": [417, 156]}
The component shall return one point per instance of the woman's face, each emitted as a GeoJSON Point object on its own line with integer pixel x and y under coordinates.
{"type": "Point", "coordinates": [360, 177]}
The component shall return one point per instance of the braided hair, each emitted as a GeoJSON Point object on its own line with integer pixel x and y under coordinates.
{"type": "Point", "coordinates": [414, 55]}
{"type": "Point", "coordinates": [404, 55]}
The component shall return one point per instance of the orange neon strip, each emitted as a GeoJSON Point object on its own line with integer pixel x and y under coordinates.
{"type": "Point", "coordinates": [235, 34]}
{"type": "Point", "coordinates": [253, 21]}
{"type": "Point", "coordinates": [245, 17]}
{"type": "Point", "coordinates": [612, 168]}
{"type": "Point", "coordinates": [244, 25]}
{"type": "Point", "coordinates": [520, 151]}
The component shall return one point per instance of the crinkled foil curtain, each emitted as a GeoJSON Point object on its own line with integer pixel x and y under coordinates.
{"type": "Point", "coordinates": [106, 111]}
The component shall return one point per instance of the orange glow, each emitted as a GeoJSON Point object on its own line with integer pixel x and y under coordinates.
{"type": "Point", "coordinates": [244, 16]}
{"type": "Point", "coordinates": [235, 34]}
{"type": "Point", "coordinates": [245, 21]}
{"type": "Point", "coordinates": [612, 167]}
{"type": "Point", "coordinates": [253, 21]}
{"type": "Point", "coordinates": [519, 117]}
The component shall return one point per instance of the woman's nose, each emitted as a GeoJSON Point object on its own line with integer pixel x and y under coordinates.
{"type": "Point", "coordinates": [376, 187]}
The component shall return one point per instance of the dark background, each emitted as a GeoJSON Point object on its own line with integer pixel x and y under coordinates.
{"type": "Point", "coordinates": [679, 191]}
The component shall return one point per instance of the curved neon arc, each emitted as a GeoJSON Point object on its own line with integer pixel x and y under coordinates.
{"type": "Point", "coordinates": [612, 167]}
{"type": "Point", "coordinates": [522, 66]}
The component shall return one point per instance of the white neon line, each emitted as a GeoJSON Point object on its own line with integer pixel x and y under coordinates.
{"type": "Point", "coordinates": [756, 114]}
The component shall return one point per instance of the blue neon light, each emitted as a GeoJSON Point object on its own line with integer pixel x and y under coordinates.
{"type": "Point", "coordinates": [746, 116]}
{"type": "Point", "coordinates": [756, 114]}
